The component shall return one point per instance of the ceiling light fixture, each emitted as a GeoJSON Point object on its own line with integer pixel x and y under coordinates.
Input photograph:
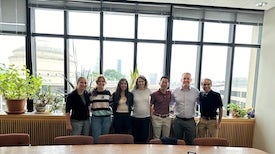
{"type": "Point", "coordinates": [261, 4]}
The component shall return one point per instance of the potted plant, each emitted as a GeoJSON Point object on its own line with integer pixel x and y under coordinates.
{"type": "Point", "coordinates": [236, 110]}
{"type": "Point", "coordinates": [16, 86]}
{"type": "Point", "coordinates": [46, 97]}
{"type": "Point", "coordinates": [42, 98]}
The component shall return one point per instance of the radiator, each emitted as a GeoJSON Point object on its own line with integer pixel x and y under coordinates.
{"type": "Point", "coordinates": [239, 132]}
{"type": "Point", "coordinates": [42, 129]}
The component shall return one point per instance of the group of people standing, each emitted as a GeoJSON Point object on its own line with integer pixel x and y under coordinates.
{"type": "Point", "coordinates": [90, 113]}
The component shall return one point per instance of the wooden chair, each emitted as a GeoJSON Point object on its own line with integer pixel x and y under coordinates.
{"type": "Point", "coordinates": [211, 141]}
{"type": "Point", "coordinates": [14, 139]}
{"type": "Point", "coordinates": [115, 139]}
{"type": "Point", "coordinates": [159, 141]}
{"type": "Point", "coordinates": [73, 140]}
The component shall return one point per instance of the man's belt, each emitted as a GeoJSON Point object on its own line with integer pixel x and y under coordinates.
{"type": "Point", "coordinates": [161, 115]}
{"type": "Point", "coordinates": [185, 119]}
{"type": "Point", "coordinates": [209, 118]}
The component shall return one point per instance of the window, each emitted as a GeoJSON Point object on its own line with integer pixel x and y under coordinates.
{"type": "Point", "coordinates": [122, 50]}
{"type": "Point", "coordinates": [150, 62]}
{"type": "Point", "coordinates": [183, 60]}
{"type": "Point", "coordinates": [119, 25]}
{"type": "Point", "coordinates": [83, 60]}
{"type": "Point", "coordinates": [247, 34]}
{"type": "Point", "coordinates": [49, 21]}
{"type": "Point", "coordinates": [50, 62]}
{"type": "Point", "coordinates": [216, 32]}
{"type": "Point", "coordinates": [13, 51]}
{"type": "Point", "coordinates": [243, 76]}
{"type": "Point", "coordinates": [151, 27]}
{"type": "Point", "coordinates": [213, 67]}
{"type": "Point", "coordinates": [84, 23]}
{"type": "Point", "coordinates": [185, 30]}
{"type": "Point", "coordinates": [118, 62]}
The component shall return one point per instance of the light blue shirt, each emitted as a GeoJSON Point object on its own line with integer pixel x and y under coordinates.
{"type": "Point", "coordinates": [185, 101]}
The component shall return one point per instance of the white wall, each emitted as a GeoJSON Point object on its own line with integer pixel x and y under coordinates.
{"type": "Point", "coordinates": [264, 133]}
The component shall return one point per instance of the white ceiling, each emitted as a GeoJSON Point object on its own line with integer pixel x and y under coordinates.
{"type": "Point", "coordinates": [247, 4]}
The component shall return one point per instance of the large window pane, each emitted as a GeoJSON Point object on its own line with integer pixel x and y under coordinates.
{"type": "Point", "coordinates": [84, 23]}
{"type": "Point", "coordinates": [152, 27]}
{"type": "Point", "coordinates": [150, 62]}
{"type": "Point", "coordinates": [216, 32]}
{"type": "Point", "coordinates": [243, 76]}
{"type": "Point", "coordinates": [214, 66]}
{"type": "Point", "coordinates": [83, 59]}
{"type": "Point", "coordinates": [119, 25]}
{"type": "Point", "coordinates": [49, 21]}
{"type": "Point", "coordinates": [50, 62]}
{"type": "Point", "coordinates": [12, 50]}
{"type": "Point", "coordinates": [185, 30]}
{"type": "Point", "coordinates": [247, 34]}
{"type": "Point", "coordinates": [118, 62]}
{"type": "Point", "coordinates": [183, 60]}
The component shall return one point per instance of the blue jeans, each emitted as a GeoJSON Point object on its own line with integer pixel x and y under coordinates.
{"type": "Point", "coordinates": [80, 127]}
{"type": "Point", "coordinates": [100, 126]}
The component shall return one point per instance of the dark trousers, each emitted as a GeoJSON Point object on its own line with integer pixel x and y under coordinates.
{"type": "Point", "coordinates": [140, 129]}
{"type": "Point", "coordinates": [122, 123]}
{"type": "Point", "coordinates": [185, 129]}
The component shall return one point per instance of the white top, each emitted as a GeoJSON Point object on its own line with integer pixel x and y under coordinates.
{"type": "Point", "coordinates": [141, 103]}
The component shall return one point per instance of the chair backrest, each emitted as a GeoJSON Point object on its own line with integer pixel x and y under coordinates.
{"type": "Point", "coordinates": [73, 140]}
{"type": "Point", "coordinates": [211, 141]}
{"type": "Point", "coordinates": [115, 139]}
{"type": "Point", "coordinates": [14, 139]}
{"type": "Point", "coordinates": [158, 141]}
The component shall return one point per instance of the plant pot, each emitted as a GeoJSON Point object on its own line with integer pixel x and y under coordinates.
{"type": "Point", "coordinates": [16, 106]}
{"type": "Point", "coordinates": [40, 108]}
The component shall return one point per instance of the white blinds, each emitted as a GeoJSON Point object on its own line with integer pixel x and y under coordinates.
{"type": "Point", "coordinates": [12, 16]}
{"type": "Point", "coordinates": [178, 11]}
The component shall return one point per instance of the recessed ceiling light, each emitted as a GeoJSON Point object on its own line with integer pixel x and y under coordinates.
{"type": "Point", "coordinates": [261, 4]}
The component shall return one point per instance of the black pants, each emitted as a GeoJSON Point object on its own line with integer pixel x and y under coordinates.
{"type": "Point", "coordinates": [122, 123]}
{"type": "Point", "coordinates": [140, 129]}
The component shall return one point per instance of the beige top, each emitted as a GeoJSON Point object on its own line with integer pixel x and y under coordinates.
{"type": "Point", "coordinates": [122, 106]}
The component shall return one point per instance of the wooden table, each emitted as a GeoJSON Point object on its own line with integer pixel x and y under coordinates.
{"type": "Point", "coordinates": [127, 149]}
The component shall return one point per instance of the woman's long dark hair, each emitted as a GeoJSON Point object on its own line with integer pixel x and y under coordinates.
{"type": "Point", "coordinates": [118, 88]}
